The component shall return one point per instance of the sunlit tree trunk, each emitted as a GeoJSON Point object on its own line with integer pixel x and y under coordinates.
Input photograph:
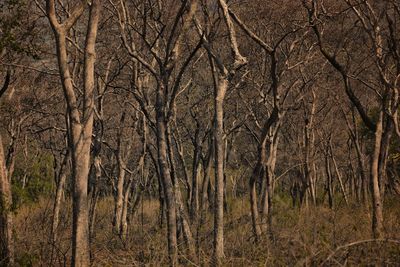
{"type": "Point", "coordinates": [81, 123]}
{"type": "Point", "coordinates": [6, 216]}
{"type": "Point", "coordinates": [377, 214]}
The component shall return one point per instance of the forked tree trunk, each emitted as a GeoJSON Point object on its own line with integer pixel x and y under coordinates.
{"type": "Point", "coordinates": [266, 208]}
{"type": "Point", "coordinates": [181, 214]}
{"type": "Point", "coordinates": [81, 127]}
{"type": "Point", "coordinates": [123, 230]}
{"type": "Point", "coordinates": [165, 174]}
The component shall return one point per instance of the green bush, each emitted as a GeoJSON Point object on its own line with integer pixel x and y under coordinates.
{"type": "Point", "coordinates": [32, 181]}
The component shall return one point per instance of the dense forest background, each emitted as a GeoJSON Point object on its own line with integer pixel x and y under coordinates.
{"type": "Point", "coordinates": [199, 132]}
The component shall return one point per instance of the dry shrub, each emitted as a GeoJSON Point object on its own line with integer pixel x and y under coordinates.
{"type": "Point", "coordinates": [312, 236]}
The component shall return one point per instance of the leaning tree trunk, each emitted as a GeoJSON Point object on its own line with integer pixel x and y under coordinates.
{"type": "Point", "coordinates": [338, 175]}
{"type": "Point", "coordinates": [119, 198]}
{"type": "Point", "coordinates": [377, 214]}
{"type": "Point", "coordinates": [194, 203]}
{"type": "Point", "coordinates": [257, 172]}
{"type": "Point", "coordinates": [181, 212]}
{"type": "Point", "coordinates": [62, 177]}
{"type": "Point", "coordinates": [329, 182]}
{"type": "Point", "coordinates": [388, 128]}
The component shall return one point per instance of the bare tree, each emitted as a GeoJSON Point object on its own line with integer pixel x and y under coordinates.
{"type": "Point", "coordinates": [81, 122]}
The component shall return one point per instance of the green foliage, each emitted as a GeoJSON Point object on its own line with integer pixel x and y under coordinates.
{"type": "Point", "coordinates": [16, 28]}
{"type": "Point", "coordinates": [33, 181]}
{"type": "Point", "coordinates": [12, 11]}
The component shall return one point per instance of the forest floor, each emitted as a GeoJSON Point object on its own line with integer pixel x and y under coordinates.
{"type": "Point", "coordinates": [301, 237]}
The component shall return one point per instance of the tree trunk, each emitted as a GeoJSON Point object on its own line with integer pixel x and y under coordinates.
{"type": "Point", "coordinates": [266, 210]}
{"type": "Point", "coordinates": [81, 128]}
{"type": "Point", "coordinates": [62, 177]}
{"type": "Point", "coordinates": [329, 187]}
{"type": "Point", "coordinates": [123, 231]}
{"type": "Point", "coordinates": [6, 216]}
{"type": "Point", "coordinates": [219, 169]}
{"type": "Point", "coordinates": [165, 174]}
{"type": "Point", "coordinates": [388, 128]}
{"type": "Point", "coordinates": [119, 198]}
{"type": "Point", "coordinates": [181, 212]}
{"type": "Point", "coordinates": [257, 172]}
{"type": "Point", "coordinates": [95, 194]}
{"type": "Point", "coordinates": [377, 215]}
{"type": "Point", "coordinates": [338, 175]}
{"type": "Point", "coordinates": [194, 203]}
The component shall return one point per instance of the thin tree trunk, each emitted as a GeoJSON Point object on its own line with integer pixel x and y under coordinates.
{"type": "Point", "coordinates": [119, 198]}
{"type": "Point", "coordinates": [62, 177]}
{"type": "Point", "coordinates": [266, 210]}
{"type": "Point", "coordinates": [95, 194]}
{"type": "Point", "coordinates": [338, 175]}
{"type": "Point", "coordinates": [329, 180]}
{"type": "Point", "coordinates": [388, 128]}
{"type": "Point", "coordinates": [257, 172]}
{"type": "Point", "coordinates": [194, 203]}
{"type": "Point", "coordinates": [221, 89]}
{"type": "Point", "coordinates": [181, 212]}
{"type": "Point", "coordinates": [377, 214]}
{"type": "Point", "coordinates": [207, 166]}
{"type": "Point", "coordinates": [165, 174]}
{"type": "Point", "coordinates": [123, 231]}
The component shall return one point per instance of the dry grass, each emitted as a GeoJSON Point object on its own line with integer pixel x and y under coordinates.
{"type": "Point", "coordinates": [302, 237]}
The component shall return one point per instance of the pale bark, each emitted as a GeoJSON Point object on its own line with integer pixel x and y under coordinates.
{"type": "Point", "coordinates": [338, 174]}
{"type": "Point", "coordinates": [6, 216]}
{"type": "Point", "coordinates": [81, 128]}
{"type": "Point", "coordinates": [95, 188]}
{"type": "Point", "coordinates": [377, 214]}
{"type": "Point", "coordinates": [219, 168]}
{"type": "Point", "coordinates": [181, 213]}
{"type": "Point", "coordinates": [266, 206]}
{"type": "Point", "coordinates": [119, 198]}
{"type": "Point", "coordinates": [309, 150]}
{"type": "Point", "coordinates": [62, 177]}
{"type": "Point", "coordinates": [182, 162]}
{"type": "Point", "coordinates": [221, 81]}
{"type": "Point", "coordinates": [123, 230]}
{"type": "Point", "coordinates": [257, 172]}
{"type": "Point", "coordinates": [165, 174]}
{"type": "Point", "coordinates": [194, 203]}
